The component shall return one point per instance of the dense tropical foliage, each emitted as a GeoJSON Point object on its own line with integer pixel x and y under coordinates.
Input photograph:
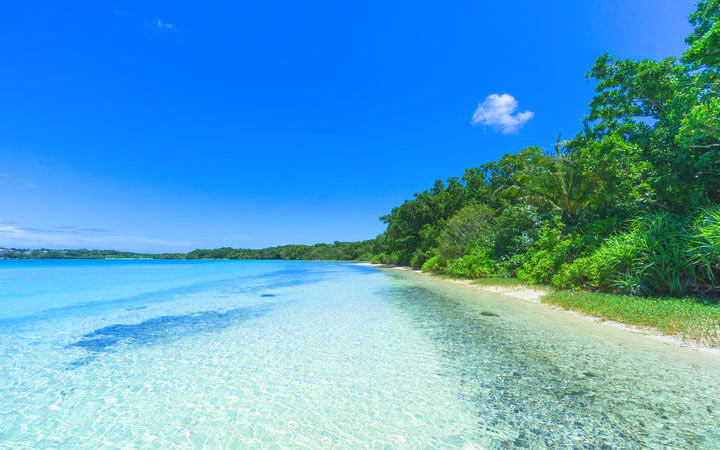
{"type": "Point", "coordinates": [629, 205]}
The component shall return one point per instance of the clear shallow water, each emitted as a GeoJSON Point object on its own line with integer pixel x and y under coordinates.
{"type": "Point", "coordinates": [99, 354]}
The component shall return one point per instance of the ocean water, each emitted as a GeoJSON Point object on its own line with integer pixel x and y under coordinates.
{"type": "Point", "coordinates": [237, 354]}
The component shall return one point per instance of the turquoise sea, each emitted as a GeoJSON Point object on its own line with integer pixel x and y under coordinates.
{"type": "Point", "coordinates": [237, 354]}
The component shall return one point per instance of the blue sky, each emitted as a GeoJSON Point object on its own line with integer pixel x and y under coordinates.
{"type": "Point", "coordinates": [173, 125]}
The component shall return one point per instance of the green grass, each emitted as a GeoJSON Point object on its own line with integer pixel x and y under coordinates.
{"type": "Point", "coordinates": [497, 281]}
{"type": "Point", "coordinates": [691, 318]}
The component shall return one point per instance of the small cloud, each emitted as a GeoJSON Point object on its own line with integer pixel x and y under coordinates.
{"type": "Point", "coordinates": [160, 25]}
{"type": "Point", "coordinates": [498, 111]}
{"type": "Point", "coordinates": [9, 231]}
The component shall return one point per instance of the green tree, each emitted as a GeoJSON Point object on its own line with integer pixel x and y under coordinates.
{"type": "Point", "coordinates": [470, 227]}
{"type": "Point", "coordinates": [551, 182]}
{"type": "Point", "coordinates": [669, 109]}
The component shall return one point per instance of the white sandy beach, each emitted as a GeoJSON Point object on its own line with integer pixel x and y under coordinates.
{"type": "Point", "coordinates": [535, 295]}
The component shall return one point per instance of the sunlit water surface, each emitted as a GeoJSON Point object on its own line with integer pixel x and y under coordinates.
{"type": "Point", "coordinates": [222, 354]}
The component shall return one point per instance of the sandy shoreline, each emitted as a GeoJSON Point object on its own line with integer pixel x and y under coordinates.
{"type": "Point", "coordinates": [535, 295]}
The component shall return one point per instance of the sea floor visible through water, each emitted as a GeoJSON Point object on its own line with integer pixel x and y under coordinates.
{"type": "Point", "coordinates": [231, 354]}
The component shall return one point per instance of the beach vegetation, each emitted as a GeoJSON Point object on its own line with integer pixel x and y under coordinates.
{"type": "Point", "coordinates": [630, 205]}
{"type": "Point", "coordinates": [435, 264]}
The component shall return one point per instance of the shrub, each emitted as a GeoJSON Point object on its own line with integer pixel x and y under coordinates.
{"type": "Point", "coordinates": [477, 264]}
{"type": "Point", "coordinates": [662, 266]}
{"type": "Point", "coordinates": [552, 250]}
{"type": "Point", "coordinates": [704, 250]}
{"type": "Point", "coordinates": [397, 258]}
{"type": "Point", "coordinates": [509, 267]}
{"type": "Point", "coordinates": [518, 227]}
{"type": "Point", "coordinates": [596, 231]}
{"type": "Point", "coordinates": [435, 264]}
{"type": "Point", "coordinates": [577, 274]}
{"type": "Point", "coordinates": [601, 269]}
{"type": "Point", "coordinates": [365, 257]}
{"type": "Point", "coordinates": [650, 259]}
{"type": "Point", "coordinates": [380, 258]}
{"type": "Point", "coordinates": [469, 227]}
{"type": "Point", "coordinates": [419, 257]}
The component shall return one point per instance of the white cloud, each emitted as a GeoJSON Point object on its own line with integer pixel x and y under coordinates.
{"type": "Point", "coordinates": [160, 25]}
{"type": "Point", "coordinates": [11, 232]}
{"type": "Point", "coordinates": [498, 111]}
{"type": "Point", "coordinates": [62, 237]}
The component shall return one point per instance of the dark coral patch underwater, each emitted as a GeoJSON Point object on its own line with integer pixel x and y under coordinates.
{"type": "Point", "coordinates": [164, 327]}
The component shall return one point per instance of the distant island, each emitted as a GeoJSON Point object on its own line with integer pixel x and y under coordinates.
{"type": "Point", "coordinates": [337, 251]}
